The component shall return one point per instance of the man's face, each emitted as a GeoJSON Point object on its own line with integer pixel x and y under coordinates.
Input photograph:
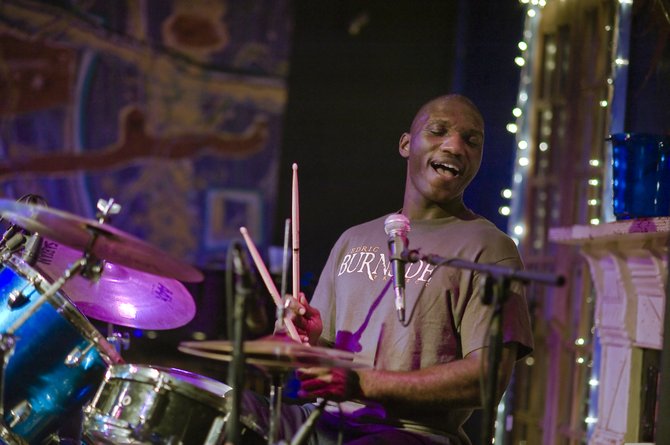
{"type": "Point", "coordinates": [443, 149]}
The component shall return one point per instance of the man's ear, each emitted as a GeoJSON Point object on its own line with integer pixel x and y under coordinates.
{"type": "Point", "coordinates": [403, 145]}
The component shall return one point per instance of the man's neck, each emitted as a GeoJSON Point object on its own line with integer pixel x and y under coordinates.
{"type": "Point", "coordinates": [455, 208]}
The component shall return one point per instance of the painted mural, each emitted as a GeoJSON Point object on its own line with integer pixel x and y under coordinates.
{"type": "Point", "coordinates": [173, 108]}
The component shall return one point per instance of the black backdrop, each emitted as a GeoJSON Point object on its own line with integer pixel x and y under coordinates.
{"type": "Point", "coordinates": [352, 94]}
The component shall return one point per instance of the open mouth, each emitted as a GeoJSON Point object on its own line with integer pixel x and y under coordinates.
{"type": "Point", "coordinates": [445, 167]}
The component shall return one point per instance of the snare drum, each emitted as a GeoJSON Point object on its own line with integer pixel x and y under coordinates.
{"type": "Point", "coordinates": [148, 404]}
{"type": "Point", "coordinates": [59, 358]}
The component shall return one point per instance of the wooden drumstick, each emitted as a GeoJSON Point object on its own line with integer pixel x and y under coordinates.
{"type": "Point", "coordinates": [295, 234]}
{"type": "Point", "coordinates": [267, 279]}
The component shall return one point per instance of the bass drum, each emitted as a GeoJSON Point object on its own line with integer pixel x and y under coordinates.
{"type": "Point", "coordinates": [59, 357]}
{"type": "Point", "coordinates": [139, 404]}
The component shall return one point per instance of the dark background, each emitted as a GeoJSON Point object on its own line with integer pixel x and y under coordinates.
{"type": "Point", "coordinates": [351, 95]}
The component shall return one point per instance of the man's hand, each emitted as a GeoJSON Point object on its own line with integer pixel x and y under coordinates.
{"type": "Point", "coordinates": [307, 319]}
{"type": "Point", "coordinates": [333, 384]}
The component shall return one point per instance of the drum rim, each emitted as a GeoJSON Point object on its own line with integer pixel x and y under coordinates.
{"type": "Point", "coordinates": [151, 374]}
{"type": "Point", "coordinates": [65, 307]}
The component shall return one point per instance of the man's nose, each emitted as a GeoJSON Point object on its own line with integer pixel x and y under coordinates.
{"type": "Point", "coordinates": [453, 143]}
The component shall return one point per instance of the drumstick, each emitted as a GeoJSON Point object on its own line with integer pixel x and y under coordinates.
{"type": "Point", "coordinates": [295, 217]}
{"type": "Point", "coordinates": [267, 279]}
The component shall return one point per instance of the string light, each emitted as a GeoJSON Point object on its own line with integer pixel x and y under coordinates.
{"type": "Point", "coordinates": [527, 60]}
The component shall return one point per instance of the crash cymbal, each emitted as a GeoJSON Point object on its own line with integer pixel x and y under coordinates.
{"type": "Point", "coordinates": [273, 353]}
{"type": "Point", "coordinates": [121, 295]}
{"type": "Point", "coordinates": [112, 244]}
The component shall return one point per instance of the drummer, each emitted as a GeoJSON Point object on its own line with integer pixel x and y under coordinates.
{"type": "Point", "coordinates": [422, 379]}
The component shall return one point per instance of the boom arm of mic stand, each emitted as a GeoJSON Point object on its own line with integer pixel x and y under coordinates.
{"type": "Point", "coordinates": [523, 276]}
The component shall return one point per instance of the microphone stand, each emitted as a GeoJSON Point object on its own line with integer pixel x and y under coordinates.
{"type": "Point", "coordinates": [496, 292]}
{"type": "Point", "coordinates": [236, 370]}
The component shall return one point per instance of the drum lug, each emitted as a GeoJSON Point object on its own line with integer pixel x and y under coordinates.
{"type": "Point", "coordinates": [17, 299]}
{"type": "Point", "coordinates": [20, 413]}
{"type": "Point", "coordinates": [75, 356]}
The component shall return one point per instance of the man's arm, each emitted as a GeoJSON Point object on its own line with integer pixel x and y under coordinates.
{"type": "Point", "coordinates": [450, 385]}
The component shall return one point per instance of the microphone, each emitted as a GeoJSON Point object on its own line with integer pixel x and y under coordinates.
{"type": "Point", "coordinates": [396, 227]}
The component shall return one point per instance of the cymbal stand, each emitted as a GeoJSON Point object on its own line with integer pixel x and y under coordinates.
{"type": "Point", "coordinates": [306, 429]}
{"type": "Point", "coordinates": [120, 342]}
{"type": "Point", "coordinates": [275, 405]}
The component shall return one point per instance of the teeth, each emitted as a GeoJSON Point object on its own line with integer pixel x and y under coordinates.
{"type": "Point", "coordinates": [449, 167]}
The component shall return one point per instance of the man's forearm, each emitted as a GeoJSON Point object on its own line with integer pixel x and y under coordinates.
{"type": "Point", "coordinates": [450, 385]}
{"type": "Point", "coordinates": [454, 384]}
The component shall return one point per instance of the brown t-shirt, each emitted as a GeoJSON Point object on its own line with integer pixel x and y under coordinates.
{"type": "Point", "coordinates": [445, 318]}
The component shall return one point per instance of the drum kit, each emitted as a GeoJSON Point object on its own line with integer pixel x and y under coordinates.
{"type": "Point", "coordinates": [56, 366]}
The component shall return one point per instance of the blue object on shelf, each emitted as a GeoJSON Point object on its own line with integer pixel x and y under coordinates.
{"type": "Point", "coordinates": [640, 175]}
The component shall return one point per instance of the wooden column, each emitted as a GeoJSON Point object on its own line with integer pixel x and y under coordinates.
{"type": "Point", "coordinates": [628, 265]}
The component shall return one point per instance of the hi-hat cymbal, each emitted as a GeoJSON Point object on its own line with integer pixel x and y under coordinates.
{"type": "Point", "coordinates": [121, 296]}
{"type": "Point", "coordinates": [111, 244]}
{"type": "Point", "coordinates": [274, 353]}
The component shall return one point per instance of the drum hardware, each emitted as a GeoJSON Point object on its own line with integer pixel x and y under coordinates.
{"type": "Point", "coordinates": [75, 356]}
{"type": "Point", "coordinates": [18, 298]}
{"type": "Point", "coordinates": [275, 405]}
{"type": "Point", "coordinates": [276, 355]}
{"type": "Point", "coordinates": [139, 404]}
{"type": "Point", "coordinates": [46, 388]}
{"type": "Point", "coordinates": [11, 246]}
{"type": "Point", "coordinates": [305, 430]}
{"type": "Point", "coordinates": [120, 341]}
{"type": "Point", "coordinates": [7, 437]}
{"type": "Point", "coordinates": [7, 344]}
{"type": "Point", "coordinates": [20, 412]}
